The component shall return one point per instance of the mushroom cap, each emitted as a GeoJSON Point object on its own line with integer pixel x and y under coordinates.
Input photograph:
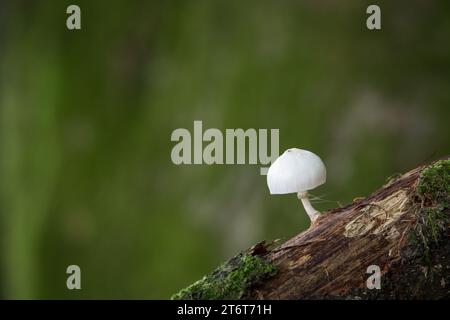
{"type": "Point", "coordinates": [296, 170]}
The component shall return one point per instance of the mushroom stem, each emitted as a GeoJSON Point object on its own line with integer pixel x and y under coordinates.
{"type": "Point", "coordinates": [312, 213]}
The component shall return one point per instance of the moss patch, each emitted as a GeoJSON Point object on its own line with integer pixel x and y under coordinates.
{"type": "Point", "coordinates": [434, 184]}
{"type": "Point", "coordinates": [230, 280]}
{"type": "Point", "coordinates": [433, 191]}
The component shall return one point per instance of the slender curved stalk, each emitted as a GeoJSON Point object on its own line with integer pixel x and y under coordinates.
{"type": "Point", "coordinates": [312, 213]}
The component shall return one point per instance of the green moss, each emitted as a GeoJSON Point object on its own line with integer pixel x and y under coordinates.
{"type": "Point", "coordinates": [230, 280]}
{"type": "Point", "coordinates": [433, 191]}
{"type": "Point", "coordinates": [435, 220]}
{"type": "Point", "coordinates": [434, 183]}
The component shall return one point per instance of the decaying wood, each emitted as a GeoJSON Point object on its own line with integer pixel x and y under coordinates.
{"type": "Point", "coordinates": [403, 228]}
{"type": "Point", "coordinates": [330, 259]}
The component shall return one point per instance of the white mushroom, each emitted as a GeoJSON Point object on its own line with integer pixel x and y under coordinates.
{"type": "Point", "coordinates": [297, 171]}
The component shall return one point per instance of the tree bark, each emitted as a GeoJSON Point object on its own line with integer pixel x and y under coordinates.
{"type": "Point", "coordinates": [402, 228]}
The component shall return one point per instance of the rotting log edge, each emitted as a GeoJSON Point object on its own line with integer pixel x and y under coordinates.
{"type": "Point", "coordinates": [403, 231]}
{"type": "Point", "coordinates": [330, 259]}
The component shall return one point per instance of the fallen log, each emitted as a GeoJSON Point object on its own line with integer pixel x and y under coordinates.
{"type": "Point", "coordinates": [393, 244]}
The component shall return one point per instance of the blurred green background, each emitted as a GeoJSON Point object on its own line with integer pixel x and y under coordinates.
{"type": "Point", "coordinates": [86, 116]}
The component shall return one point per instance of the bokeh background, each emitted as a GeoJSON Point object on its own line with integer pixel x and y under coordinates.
{"type": "Point", "coordinates": [86, 117]}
